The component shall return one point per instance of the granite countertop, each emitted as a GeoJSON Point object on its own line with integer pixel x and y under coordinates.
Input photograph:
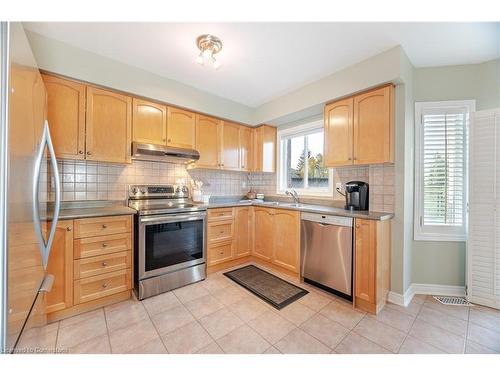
{"type": "Point", "coordinates": [83, 209]}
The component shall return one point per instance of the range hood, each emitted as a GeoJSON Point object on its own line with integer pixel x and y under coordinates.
{"type": "Point", "coordinates": [165, 154]}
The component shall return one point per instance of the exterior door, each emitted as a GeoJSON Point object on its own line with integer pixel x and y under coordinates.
{"type": "Point", "coordinates": [264, 233]}
{"type": "Point", "coordinates": [246, 149]}
{"type": "Point", "coordinates": [287, 239]}
{"type": "Point", "coordinates": [109, 126]}
{"type": "Point", "coordinates": [338, 133]}
{"type": "Point", "coordinates": [208, 141]}
{"type": "Point", "coordinates": [180, 128]}
{"type": "Point", "coordinates": [149, 122]}
{"type": "Point", "coordinates": [230, 146]}
{"type": "Point", "coordinates": [243, 231]}
{"type": "Point", "coordinates": [373, 126]}
{"type": "Point", "coordinates": [66, 116]}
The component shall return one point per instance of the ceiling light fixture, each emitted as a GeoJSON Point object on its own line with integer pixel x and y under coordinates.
{"type": "Point", "coordinates": [209, 46]}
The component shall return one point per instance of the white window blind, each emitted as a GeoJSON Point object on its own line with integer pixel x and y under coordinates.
{"type": "Point", "coordinates": [441, 170]}
{"type": "Point", "coordinates": [483, 243]}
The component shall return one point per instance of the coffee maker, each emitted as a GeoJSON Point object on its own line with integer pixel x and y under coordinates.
{"type": "Point", "coordinates": [356, 196]}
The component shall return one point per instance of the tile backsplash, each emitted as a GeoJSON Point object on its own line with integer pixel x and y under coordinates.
{"type": "Point", "coordinates": [90, 180]}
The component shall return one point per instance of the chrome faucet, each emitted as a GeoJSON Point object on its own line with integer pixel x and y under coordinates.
{"type": "Point", "coordinates": [293, 194]}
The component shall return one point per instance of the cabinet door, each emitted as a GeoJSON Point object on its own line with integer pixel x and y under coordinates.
{"type": "Point", "coordinates": [208, 141]}
{"type": "Point", "coordinates": [149, 122]}
{"type": "Point", "coordinates": [243, 231]}
{"type": "Point", "coordinates": [66, 116]}
{"type": "Point", "coordinates": [364, 258]}
{"type": "Point", "coordinates": [230, 146]}
{"type": "Point", "coordinates": [61, 266]}
{"type": "Point", "coordinates": [264, 233]}
{"type": "Point", "coordinates": [287, 239]}
{"type": "Point", "coordinates": [338, 133]}
{"type": "Point", "coordinates": [181, 128]}
{"type": "Point", "coordinates": [373, 126]}
{"type": "Point", "coordinates": [265, 149]}
{"type": "Point", "coordinates": [246, 148]}
{"type": "Point", "coordinates": [109, 126]}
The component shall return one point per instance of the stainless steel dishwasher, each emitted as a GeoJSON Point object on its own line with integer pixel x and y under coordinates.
{"type": "Point", "coordinates": [326, 252]}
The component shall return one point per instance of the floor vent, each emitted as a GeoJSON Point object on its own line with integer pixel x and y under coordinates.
{"type": "Point", "coordinates": [452, 301]}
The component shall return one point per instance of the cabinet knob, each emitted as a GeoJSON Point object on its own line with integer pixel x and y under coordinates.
{"type": "Point", "coordinates": [104, 226]}
{"type": "Point", "coordinates": [358, 226]}
{"type": "Point", "coordinates": [89, 153]}
{"type": "Point", "coordinates": [104, 264]}
{"type": "Point", "coordinates": [221, 253]}
{"type": "Point", "coordinates": [68, 229]}
{"type": "Point", "coordinates": [104, 285]}
{"type": "Point", "coordinates": [221, 232]}
{"type": "Point", "coordinates": [80, 152]}
{"type": "Point", "coordinates": [349, 158]}
{"type": "Point", "coordinates": [104, 245]}
{"type": "Point", "coordinates": [169, 140]}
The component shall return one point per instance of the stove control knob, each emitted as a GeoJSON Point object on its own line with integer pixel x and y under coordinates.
{"type": "Point", "coordinates": [143, 191]}
{"type": "Point", "coordinates": [134, 190]}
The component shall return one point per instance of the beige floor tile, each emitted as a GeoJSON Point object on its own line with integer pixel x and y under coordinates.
{"type": "Point", "coordinates": [97, 345]}
{"type": "Point", "coordinates": [216, 282]}
{"type": "Point", "coordinates": [243, 340]}
{"type": "Point", "coordinates": [460, 312]}
{"type": "Point", "coordinates": [485, 318]}
{"type": "Point", "coordinates": [325, 330]}
{"type": "Point", "coordinates": [190, 292]}
{"type": "Point", "coordinates": [154, 346]}
{"type": "Point", "coordinates": [413, 308]}
{"type": "Point", "coordinates": [125, 339]}
{"type": "Point", "coordinates": [442, 320]}
{"type": "Point", "coordinates": [230, 295]}
{"type": "Point", "coordinates": [314, 301]}
{"type": "Point", "coordinates": [356, 344]}
{"type": "Point", "coordinates": [124, 313]}
{"type": "Point", "coordinates": [82, 317]}
{"type": "Point", "coordinates": [220, 323]}
{"type": "Point", "coordinates": [41, 339]}
{"type": "Point", "coordinates": [483, 336]}
{"type": "Point", "coordinates": [172, 319]}
{"type": "Point", "coordinates": [296, 313]}
{"type": "Point", "coordinates": [472, 347]}
{"type": "Point", "coordinates": [203, 306]}
{"type": "Point", "coordinates": [248, 308]}
{"type": "Point", "coordinates": [161, 302]}
{"type": "Point", "coordinates": [486, 309]}
{"type": "Point", "coordinates": [211, 348]}
{"type": "Point", "coordinates": [342, 313]}
{"type": "Point", "coordinates": [272, 350]}
{"type": "Point", "coordinates": [435, 336]}
{"type": "Point", "coordinates": [299, 342]}
{"type": "Point", "coordinates": [187, 339]}
{"type": "Point", "coordinates": [380, 333]}
{"type": "Point", "coordinates": [412, 345]}
{"type": "Point", "coordinates": [76, 333]}
{"type": "Point", "coordinates": [271, 326]}
{"type": "Point", "coordinates": [419, 298]}
{"type": "Point", "coordinates": [395, 319]}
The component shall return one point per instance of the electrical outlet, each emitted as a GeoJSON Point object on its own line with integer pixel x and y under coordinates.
{"type": "Point", "coordinates": [338, 185]}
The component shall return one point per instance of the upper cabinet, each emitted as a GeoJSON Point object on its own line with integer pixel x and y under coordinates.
{"type": "Point", "coordinates": [109, 126]}
{"type": "Point", "coordinates": [246, 148]}
{"type": "Point", "coordinates": [230, 146]}
{"type": "Point", "coordinates": [264, 149]}
{"type": "Point", "coordinates": [360, 129]}
{"type": "Point", "coordinates": [66, 116]}
{"type": "Point", "coordinates": [181, 126]}
{"type": "Point", "coordinates": [207, 141]}
{"type": "Point", "coordinates": [149, 122]}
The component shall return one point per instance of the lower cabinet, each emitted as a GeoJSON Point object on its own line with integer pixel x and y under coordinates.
{"type": "Point", "coordinates": [263, 232]}
{"type": "Point", "coordinates": [91, 260]}
{"type": "Point", "coordinates": [243, 219]}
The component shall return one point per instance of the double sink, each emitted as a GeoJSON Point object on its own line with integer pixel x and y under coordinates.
{"type": "Point", "coordinates": [283, 204]}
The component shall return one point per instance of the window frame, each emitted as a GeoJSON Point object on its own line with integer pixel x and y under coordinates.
{"type": "Point", "coordinates": [422, 232]}
{"type": "Point", "coordinates": [300, 130]}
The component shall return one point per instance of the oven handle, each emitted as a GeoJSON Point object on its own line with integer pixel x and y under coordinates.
{"type": "Point", "coordinates": [172, 218]}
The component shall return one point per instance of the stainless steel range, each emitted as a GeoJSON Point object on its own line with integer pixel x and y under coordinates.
{"type": "Point", "coordinates": [170, 239]}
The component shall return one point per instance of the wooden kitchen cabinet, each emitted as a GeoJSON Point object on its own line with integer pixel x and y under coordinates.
{"type": "Point", "coordinates": [286, 239]}
{"type": "Point", "coordinates": [265, 149]}
{"type": "Point", "coordinates": [246, 148]}
{"type": "Point", "coordinates": [371, 264]}
{"type": "Point", "coordinates": [181, 128]}
{"type": "Point", "coordinates": [149, 122]}
{"type": "Point", "coordinates": [109, 126]}
{"type": "Point", "coordinates": [243, 231]}
{"type": "Point", "coordinates": [208, 141]}
{"type": "Point", "coordinates": [360, 129]}
{"type": "Point", "coordinates": [66, 116]}
{"type": "Point", "coordinates": [60, 265]}
{"type": "Point", "coordinates": [230, 146]}
{"type": "Point", "coordinates": [264, 233]}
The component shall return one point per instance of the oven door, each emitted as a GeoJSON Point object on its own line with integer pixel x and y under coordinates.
{"type": "Point", "coordinates": [171, 242]}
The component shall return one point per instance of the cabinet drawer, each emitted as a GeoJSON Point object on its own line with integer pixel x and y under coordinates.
{"type": "Point", "coordinates": [220, 231]}
{"type": "Point", "coordinates": [216, 214]}
{"type": "Point", "coordinates": [92, 288]}
{"type": "Point", "coordinates": [220, 253]}
{"type": "Point", "coordinates": [94, 246]}
{"type": "Point", "coordinates": [98, 226]}
{"type": "Point", "coordinates": [99, 265]}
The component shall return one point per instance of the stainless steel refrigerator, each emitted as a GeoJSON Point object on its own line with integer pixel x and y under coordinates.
{"type": "Point", "coordinates": [28, 175]}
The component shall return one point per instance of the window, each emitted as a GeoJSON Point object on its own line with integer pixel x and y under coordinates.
{"type": "Point", "coordinates": [300, 164]}
{"type": "Point", "coordinates": [441, 169]}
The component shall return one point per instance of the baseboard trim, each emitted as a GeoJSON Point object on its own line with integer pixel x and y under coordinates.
{"type": "Point", "coordinates": [426, 289]}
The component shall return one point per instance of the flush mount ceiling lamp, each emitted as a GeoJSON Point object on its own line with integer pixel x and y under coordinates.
{"type": "Point", "coordinates": [209, 46]}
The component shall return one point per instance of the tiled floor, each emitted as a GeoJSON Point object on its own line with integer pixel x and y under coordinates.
{"type": "Point", "coordinates": [218, 316]}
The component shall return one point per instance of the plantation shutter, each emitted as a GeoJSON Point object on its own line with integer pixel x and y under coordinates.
{"type": "Point", "coordinates": [483, 245]}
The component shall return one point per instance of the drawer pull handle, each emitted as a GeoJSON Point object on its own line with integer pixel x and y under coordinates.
{"type": "Point", "coordinates": [104, 244]}
{"type": "Point", "coordinates": [221, 232]}
{"type": "Point", "coordinates": [104, 285]}
{"type": "Point", "coordinates": [104, 226]}
{"type": "Point", "coordinates": [221, 253]}
{"type": "Point", "coordinates": [68, 229]}
{"type": "Point", "coordinates": [104, 264]}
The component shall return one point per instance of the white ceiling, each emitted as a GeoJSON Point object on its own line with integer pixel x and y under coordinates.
{"type": "Point", "coordinates": [262, 61]}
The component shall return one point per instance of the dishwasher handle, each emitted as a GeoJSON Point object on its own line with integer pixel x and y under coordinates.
{"type": "Point", "coordinates": [326, 220]}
